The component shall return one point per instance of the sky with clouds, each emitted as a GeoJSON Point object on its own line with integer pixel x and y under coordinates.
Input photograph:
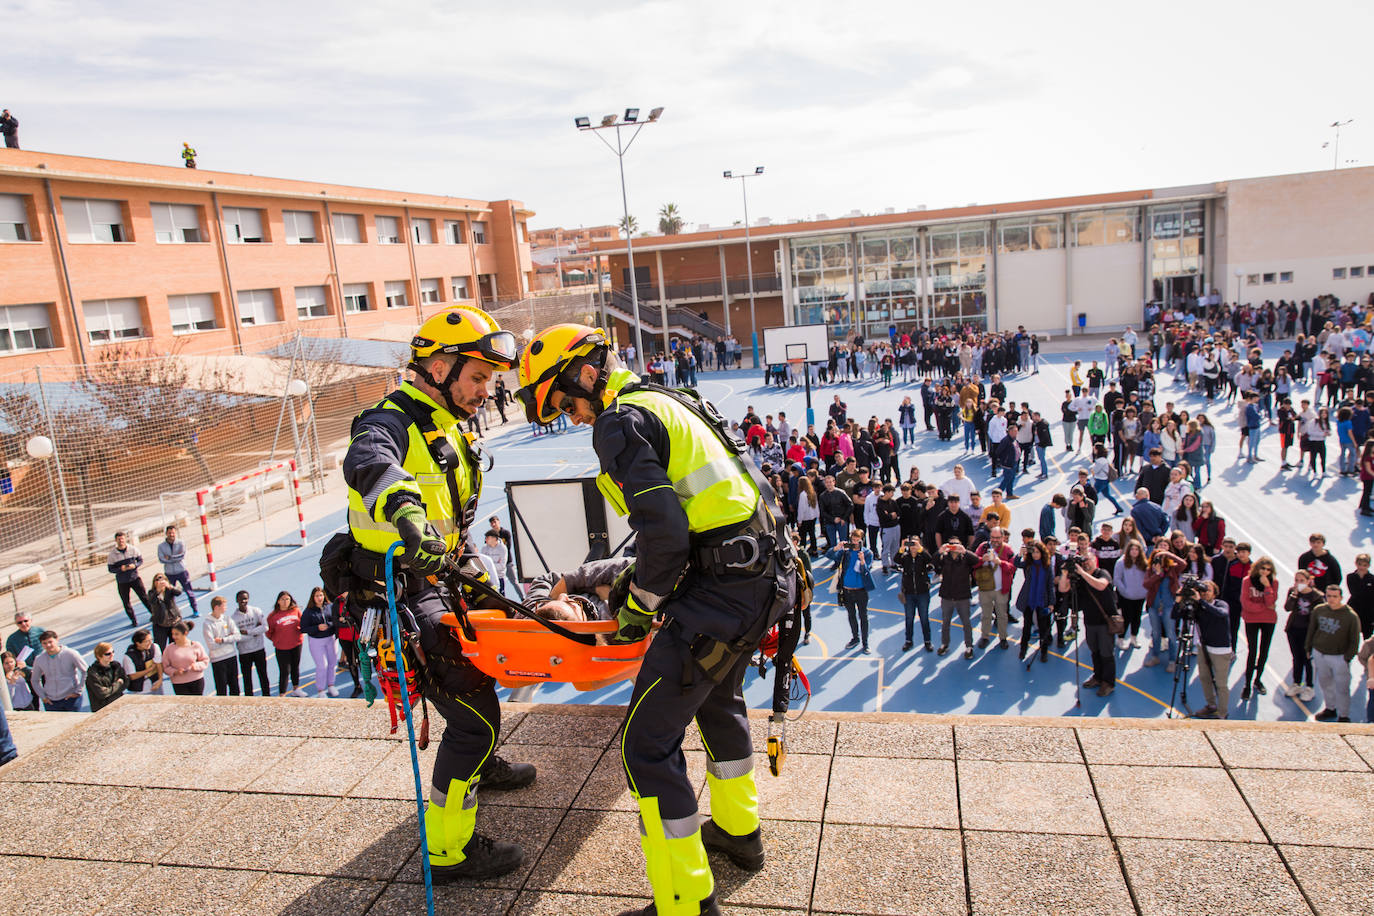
{"type": "Point", "coordinates": [849, 106]}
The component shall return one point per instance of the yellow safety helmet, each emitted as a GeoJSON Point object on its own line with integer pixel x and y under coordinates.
{"type": "Point", "coordinates": [553, 351]}
{"type": "Point", "coordinates": [468, 333]}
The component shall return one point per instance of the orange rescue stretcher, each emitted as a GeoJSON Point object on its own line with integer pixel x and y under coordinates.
{"type": "Point", "coordinates": [524, 649]}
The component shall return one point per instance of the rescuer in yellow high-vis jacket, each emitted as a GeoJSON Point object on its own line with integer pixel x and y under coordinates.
{"type": "Point", "coordinates": [713, 562]}
{"type": "Point", "coordinates": [413, 474]}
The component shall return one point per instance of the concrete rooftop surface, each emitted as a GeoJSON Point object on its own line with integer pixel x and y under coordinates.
{"type": "Point", "coordinates": [185, 806]}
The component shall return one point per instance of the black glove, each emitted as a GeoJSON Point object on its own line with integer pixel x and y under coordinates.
{"type": "Point", "coordinates": [424, 548]}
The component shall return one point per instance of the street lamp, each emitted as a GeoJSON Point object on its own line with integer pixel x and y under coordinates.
{"type": "Point", "coordinates": [41, 448]}
{"type": "Point", "coordinates": [1239, 272]}
{"type": "Point", "coordinates": [1336, 153]}
{"type": "Point", "coordinates": [748, 252]}
{"type": "Point", "coordinates": [621, 147]}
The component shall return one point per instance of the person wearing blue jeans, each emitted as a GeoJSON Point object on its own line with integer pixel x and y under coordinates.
{"type": "Point", "coordinates": [7, 749]}
{"type": "Point", "coordinates": [1101, 476]}
{"type": "Point", "coordinates": [171, 553]}
{"type": "Point", "coordinates": [1161, 610]}
{"type": "Point", "coordinates": [1008, 459]}
{"type": "Point", "coordinates": [1252, 427]}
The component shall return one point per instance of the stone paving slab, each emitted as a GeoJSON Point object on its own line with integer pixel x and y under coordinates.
{"type": "Point", "coordinates": [240, 808]}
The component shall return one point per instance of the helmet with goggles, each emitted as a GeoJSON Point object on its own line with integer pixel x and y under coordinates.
{"type": "Point", "coordinates": [467, 333]}
{"type": "Point", "coordinates": [552, 362]}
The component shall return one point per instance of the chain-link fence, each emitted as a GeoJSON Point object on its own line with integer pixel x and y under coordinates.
{"type": "Point", "coordinates": [125, 442]}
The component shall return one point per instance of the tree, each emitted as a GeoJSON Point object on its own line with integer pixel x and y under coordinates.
{"type": "Point", "coordinates": [629, 225]}
{"type": "Point", "coordinates": [669, 219]}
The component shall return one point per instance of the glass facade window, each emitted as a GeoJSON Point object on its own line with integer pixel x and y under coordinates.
{"type": "Point", "coordinates": [1032, 233]}
{"type": "Point", "coordinates": [1177, 245]}
{"type": "Point", "coordinates": [823, 283]}
{"type": "Point", "coordinates": [24, 328]}
{"type": "Point", "coordinates": [956, 259]}
{"type": "Point", "coordinates": [1104, 227]}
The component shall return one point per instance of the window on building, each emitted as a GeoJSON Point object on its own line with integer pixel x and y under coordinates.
{"type": "Point", "coordinates": [486, 286]}
{"type": "Point", "coordinates": [1357, 271]}
{"type": "Point", "coordinates": [110, 320]}
{"type": "Point", "coordinates": [1338, 273]}
{"type": "Point", "coordinates": [24, 328]}
{"type": "Point", "coordinates": [174, 224]}
{"type": "Point", "coordinates": [14, 219]}
{"type": "Point", "coordinates": [258, 306]}
{"type": "Point", "coordinates": [1268, 278]}
{"type": "Point", "coordinates": [1285, 276]}
{"type": "Point", "coordinates": [453, 231]}
{"type": "Point", "coordinates": [1034, 233]}
{"type": "Point", "coordinates": [396, 294]}
{"type": "Point", "coordinates": [1104, 227]}
{"type": "Point", "coordinates": [348, 229]}
{"type": "Point", "coordinates": [388, 230]}
{"type": "Point", "coordinates": [1252, 279]}
{"type": "Point", "coordinates": [243, 225]}
{"type": "Point", "coordinates": [423, 231]}
{"type": "Point", "coordinates": [357, 298]}
{"type": "Point", "coordinates": [479, 232]}
{"type": "Point", "coordinates": [430, 291]}
{"type": "Point", "coordinates": [300, 227]}
{"type": "Point", "coordinates": [311, 302]}
{"type": "Point", "coordinates": [460, 289]}
{"type": "Point", "coordinates": [195, 312]}
{"type": "Point", "coordinates": [94, 220]}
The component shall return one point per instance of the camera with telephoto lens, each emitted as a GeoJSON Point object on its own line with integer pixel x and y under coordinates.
{"type": "Point", "coordinates": [1072, 562]}
{"type": "Point", "coordinates": [1189, 602]}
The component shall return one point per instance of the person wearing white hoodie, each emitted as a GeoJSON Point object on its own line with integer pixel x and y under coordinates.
{"type": "Point", "coordinates": [221, 644]}
{"type": "Point", "coordinates": [252, 624]}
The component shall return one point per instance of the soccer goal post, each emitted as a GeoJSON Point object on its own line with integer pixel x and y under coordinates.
{"type": "Point", "coordinates": [270, 490]}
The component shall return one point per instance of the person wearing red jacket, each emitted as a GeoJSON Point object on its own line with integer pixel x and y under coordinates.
{"type": "Point", "coordinates": [1259, 595]}
{"type": "Point", "coordinates": [994, 574]}
{"type": "Point", "coordinates": [284, 630]}
{"type": "Point", "coordinates": [1209, 528]}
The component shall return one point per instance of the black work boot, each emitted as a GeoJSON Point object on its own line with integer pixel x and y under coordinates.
{"type": "Point", "coordinates": [483, 857]}
{"type": "Point", "coordinates": [709, 907]}
{"type": "Point", "coordinates": [500, 776]}
{"type": "Point", "coordinates": [745, 851]}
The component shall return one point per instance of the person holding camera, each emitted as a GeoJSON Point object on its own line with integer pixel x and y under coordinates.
{"type": "Point", "coordinates": [1212, 633]}
{"type": "Point", "coordinates": [956, 590]}
{"type": "Point", "coordinates": [853, 582]}
{"type": "Point", "coordinates": [1091, 593]}
{"type": "Point", "coordinates": [916, 566]}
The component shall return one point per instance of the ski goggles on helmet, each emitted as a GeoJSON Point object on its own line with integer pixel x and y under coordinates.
{"type": "Point", "coordinates": [498, 348]}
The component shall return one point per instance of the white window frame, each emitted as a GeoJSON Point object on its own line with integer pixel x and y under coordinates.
{"type": "Point", "coordinates": [479, 232]}
{"type": "Point", "coordinates": [461, 288]}
{"type": "Point", "coordinates": [431, 291]}
{"type": "Point", "coordinates": [292, 221]}
{"type": "Point", "coordinates": [235, 232]}
{"type": "Point", "coordinates": [388, 232]}
{"type": "Point", "coordinates": [259, 304]}
{"type": "Point", "coordinates": [31, 324]}
{"type": "Point", "coordinates": [110, 310]}
{"type": "Point", "coordinates": [342, 236]}
{"type": "Point", "coordinates": [192, 313]}
{"type": "Point", "coordinates": [450, 236]}
{"type": "Point", "coordinates": [1356, 272]}
{"type": "Point", "coordinates": [357, 298]}
{"type": "Point", "coordinates": [1285, 276]}
{"type": "Point", "coordinates": [425, 237]}
{"type": "Point", "coordinates": [395, 294]}
{"type": "Point", "coordinates": [310, 309]}
{"type": "Point", "coordinates": [176, 224]}
{"type": "Point", "coordinates": [89, 221]}
{"type": "Point", "coordinates": [1338, 273]}
{"type": "Point", "coordinates": [14, 218]}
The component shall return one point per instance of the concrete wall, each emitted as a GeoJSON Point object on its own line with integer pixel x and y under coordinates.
{"type": "Point", "coordinates": [1106, 284]}
{"type": "Point", "coordinates": [1030, 290]}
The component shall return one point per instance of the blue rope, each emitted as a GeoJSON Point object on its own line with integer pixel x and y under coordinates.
{"type": "Point", "coordinates": [410, 722]}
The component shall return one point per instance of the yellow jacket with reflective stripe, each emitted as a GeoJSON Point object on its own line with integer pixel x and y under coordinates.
{"type": "Point", "coordinates": [417, 474]}
{"type": "Point", "coordinates": [709, 480]}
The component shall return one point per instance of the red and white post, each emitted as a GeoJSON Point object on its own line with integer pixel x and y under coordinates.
{"type": "Point", "coordinates": [202, 503]}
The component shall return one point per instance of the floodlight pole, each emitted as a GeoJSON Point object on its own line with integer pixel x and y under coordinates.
{"type": "Point", "coordinates": [749, 254]}
{"type": "Point", "coordinates": [1336, 153]}
{"type": "Point", "coordinates": [620, 149]}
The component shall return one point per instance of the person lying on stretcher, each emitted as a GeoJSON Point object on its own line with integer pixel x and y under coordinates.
{"type": "Point", "coordinates": [593, 591]}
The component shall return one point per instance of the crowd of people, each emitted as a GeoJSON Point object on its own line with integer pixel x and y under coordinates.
{"type": "Point", "coordinates": [1159, 560]}
{"type": "Point", "coordinates": [176, 652]}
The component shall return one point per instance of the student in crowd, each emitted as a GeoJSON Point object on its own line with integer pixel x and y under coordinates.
{"type": "Point", "coordinates": [184, 661]}
{"type": "Point", "coordinates": [284, 632]}
{"type": "Point", "coordinates": [317, 623]}
{"type": "Point", "coordinates": [221, 641]}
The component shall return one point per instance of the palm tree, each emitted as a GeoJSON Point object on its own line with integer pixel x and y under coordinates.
{"type": "Point", "coordinates": [629, 225]}
{"type": "Point", "coordinates": [669, 219]}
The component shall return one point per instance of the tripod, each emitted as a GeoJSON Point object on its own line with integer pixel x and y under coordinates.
{"type": "Point", "coordinates": [1184, 638]}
